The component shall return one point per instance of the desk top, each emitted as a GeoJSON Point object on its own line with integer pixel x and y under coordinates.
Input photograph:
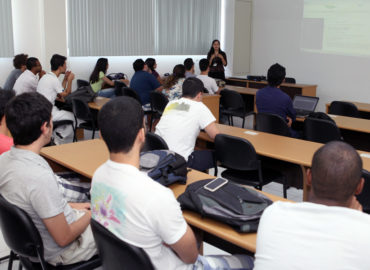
{"type": "Point", "coordinates": [295, 85]}
{"type": "Point", "coordinates": [86, 156]}
{"type": "Point", "coordinates": [242, 90]}
{"type": "Point", "coordinates": [279, 147]}
{"type": "Point", "coordinates": [349, 123]}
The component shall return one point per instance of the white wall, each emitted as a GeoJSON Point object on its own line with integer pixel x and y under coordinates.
{"type": "Point", "coordinates": [276, 38]}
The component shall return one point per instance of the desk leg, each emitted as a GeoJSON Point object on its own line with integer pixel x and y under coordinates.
{"type": "Point", "coordinates": [306, 188]}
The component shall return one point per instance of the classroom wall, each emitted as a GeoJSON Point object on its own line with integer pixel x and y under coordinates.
{"type": "Point", "coordinates": [276, 38]}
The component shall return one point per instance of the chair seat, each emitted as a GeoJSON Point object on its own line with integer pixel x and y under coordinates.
{"type": "Point", "coordinates": [93, 263]}
{"type": "Point", "coordinates": [250, 178]}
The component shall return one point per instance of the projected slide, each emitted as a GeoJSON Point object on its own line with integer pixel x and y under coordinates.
{"type": "Point", "coordinates": [336, 26]}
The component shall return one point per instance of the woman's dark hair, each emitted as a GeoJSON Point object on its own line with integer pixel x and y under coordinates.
{"type": "Point", "coordinates": [178, 72]}
{"type": "Point", "coordinates": [101, 65]}
{"type": "Point", "coordinates": [212, 51]}
{"type": "Point", "coordinates": [150, 62]}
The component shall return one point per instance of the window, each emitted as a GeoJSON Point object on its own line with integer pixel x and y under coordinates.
{"type": "Point", "coordinates": [142, 27]}
{"type": "Point", "coordinates": [6, 29]}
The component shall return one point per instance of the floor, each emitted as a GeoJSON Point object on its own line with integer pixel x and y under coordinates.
{"type": "Point", "coordinates": [272, 188]}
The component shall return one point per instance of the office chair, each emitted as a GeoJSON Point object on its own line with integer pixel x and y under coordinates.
{"type": "Point", "coordinates": [158, 103]}
{"type": "Point", "coordinates": [129, 92]}
{"type": "Point", "coordinates": [117, 254]}
{"type": "Point", "coordinates": [364, 196]}
{"type": "Point", "coordinates": [289, 80]}
{"type": "Point", "coordinates": [118, 85]}
{"type": "Point", "coordinates": [81, 83]}
{"type": "Point", "coordinates": [82, 112]}
{"type": "Point", "coordinates": [343, 108]}
{"type": "Point", "coordinates": [23, 238]}
{"type": "Point", "coordinates": [320, 130]}
{"type": "Point", "coordinates": [154, 142]}
{"type": "Point", "coordinates": [242, 165]}
{"type": "Point", "coordinates": [272, 123]}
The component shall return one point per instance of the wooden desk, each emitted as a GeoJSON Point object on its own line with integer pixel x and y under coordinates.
{"type": "Point", "coordinates": [363, 108]}
{"type": "Point", "coordinates": [290, 88]}
{"type": "Point", "coordinates": [86, 156]}
{"type": "Point", "coordinates": [211, 101]}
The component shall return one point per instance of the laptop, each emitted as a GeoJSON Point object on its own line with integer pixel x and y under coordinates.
{"type": "Point", "coordinates": [304, 105]}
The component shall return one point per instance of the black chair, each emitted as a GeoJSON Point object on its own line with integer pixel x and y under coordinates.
{"type": "Point", "coordinates": [343, 108]}
{"type": "Point", "coordinates": [320, 130]}
{"type": "Point", "coordinates": [158, 103]}
{"type": "Point", "coordinates": [23, 238]}
{"type": "Point", "coordinates": [154, 142]}
{"type": "Point", "coordinates": [242, 165]}
{"type": "Point", "coordinates": [118, 85]}
{"type": "Point", "coordinates": [129, 92]}
{"type": "Point", "coordinates": [117, 254]}
{"type": "Point", "coordinates": [60, 123]}
{"type": "Point", "coordinates": [82, 83]}
{"type": "Point", "coordinates": [272, 123]}
{"type": "Point", "coordinates": [364, 197]}
{"type": "Point", "coordinates": [289, 80]}
{"type": "Point", "coordinates": [232, 104]}
{"type": "Point", "coordinates": [82, 111]}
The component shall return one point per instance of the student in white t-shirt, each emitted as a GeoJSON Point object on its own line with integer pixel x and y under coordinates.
{"type": "Point", "coordinates": [209, 83]}
{"type": "Point", "coordinates": [29, 79]}
{"type": "Point", "coordinates": [327, 232]}
{"type": "Point", "coordinates": [137, 209]}
{"type": "Point", "coordinates": [181, 122]}
{"type": "Point", "coordinates": [51, 87]}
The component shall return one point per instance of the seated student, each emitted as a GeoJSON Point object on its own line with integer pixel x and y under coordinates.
{"type": "Point", "coordinates": [327, 232]}
{"type": "Point", "coordinates": [152, 65]}
{"type": "Point", "coordinates": [29, 79]}
{"type": "Point", "coordinates": [50, 87]}
{"type": "Point", "coordinates": [182, 121]}
{"type": "Point", "coordinates": [98, 79]}
{"type": "Point", "coordinates": [27, 181]}
{"type": "Point", "coordinates": [19, 63]}
{"type": "Point", "coordinates": [272, 100]}
{"type": "Point", "coordinates": [6, 142]}
{"type": "Point", "coordinates": [172, 86]}
{"type": "Point", "coordinates": [209, 83]}
{"type": "Point", "coordinates": [137, 209]}
{"type": "Point", "coordinates": [143, 82]}
{"type": "Point", "coordinates": [189, 67]}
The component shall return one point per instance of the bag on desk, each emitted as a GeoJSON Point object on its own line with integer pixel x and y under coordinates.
{"type": "Point", "coordinates": [116, 76]}
{"type": "Point", "coordinates": [84, 93]}
{"type": "Point", "coordinates": [164, 166]}
{"type": "Point", "coordinates": [233, 204]}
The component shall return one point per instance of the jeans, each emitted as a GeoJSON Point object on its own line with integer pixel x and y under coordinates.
{"type": "Point", "coordinates": [108, 93]}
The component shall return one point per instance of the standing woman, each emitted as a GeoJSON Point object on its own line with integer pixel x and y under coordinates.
{"type": "Point", "coordinates": [152, 65]}
{"type": "Point", "coordinates": [98, 79]}
{"type": "Point", "coordinates": [217, 61]}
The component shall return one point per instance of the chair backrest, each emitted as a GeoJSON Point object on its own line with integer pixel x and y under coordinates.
{"type": "Point", "coordinates": [235, 153]}
{"type": "Point", "coordinates": [289, 80]}
{"type": "Point", "coordinates": [154, 142]}
{"type": "Point", "coordinates": [320, 130]}
{"type": "Point", "coordinates": [81, 110]}
{"type": "Point", "coordinates": [82, 83]}
{"type": "Point", "coordinates": [129, 92]}
{"type": "Point", "coordinates": [19, 231]}
{"type": "Point", "coordinates": [231, 100]}
{"type": "Point", "coordinates": [272, 123]}
{"type": "Point", "coordinates": [118, 85]}
{"type": "Point", "coordinates": [364, 197]}
{"type": "Point", "coordinates": [158, 101]}
{"type": "Point", "coordinates": [116, 254]}
{"type": "Point", "coordinates": [343, 108]}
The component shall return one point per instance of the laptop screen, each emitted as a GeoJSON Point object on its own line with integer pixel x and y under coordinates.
{"type": "Point", "coordinates": [305, 103]}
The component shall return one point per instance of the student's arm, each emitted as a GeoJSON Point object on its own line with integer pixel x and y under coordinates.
{"type": "Point", "coordinates": [68, 89]}
{"type": "Point", "coordinates": [64, 233]}
{"type": "Point", "coordinates": [106, 80]}
{"type": "Point", "coordinates": [159, 89]}
{"type": "Point", "coordinates": [212, 130]}
{"type": "Point", "coordinates": [186, 247]}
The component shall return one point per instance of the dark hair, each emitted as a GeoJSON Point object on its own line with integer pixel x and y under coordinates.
{"type": "Point", "coordinates": [212, 50]}
{"type": "Point", "coordinates": [5, 96]}
{"type": "Point", "coordinates": [138, 64]}
{"type": "Point", "coordinates": [19, 60]}
{"type": "Point", "coordinates": [276, 75]}
{"type": "Point", "coordinates": [150, 62]}
{"type": "Point", "coordinates": [57, 61]}
{"type": "Point", "coordinates": [188, 63]}
{"type": "Point", "coordinates": [192, 87]}
{"type": "Point", "coordinates": [203, 64]}
{"type": "Point", "coordinates": [120, 121]}
{"type": "Point", "coordinates": [178, 72]}
{"type": "Point", "coordinates": [101, 65]}
{"type": "Point", "coordinates": [25, 114]}
{"type": "Point", "coordinates": [336, 171]}
{"type": "Point", "coordinates": [31, 62]}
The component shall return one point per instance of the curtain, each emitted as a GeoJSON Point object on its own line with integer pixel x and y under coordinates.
{"type": "Point", "coordinates": [6, 29]}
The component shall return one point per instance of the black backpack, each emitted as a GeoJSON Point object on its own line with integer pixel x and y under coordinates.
{"type": "Point", "coordinates": [164, 166]}
{"type": "Point", "coordinates": [84, 93]}
{"type": "Point", "coordinates": [238, 206]}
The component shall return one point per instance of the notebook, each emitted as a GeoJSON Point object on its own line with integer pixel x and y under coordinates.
{"type": "Point", "coordinates": [304, 105]}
